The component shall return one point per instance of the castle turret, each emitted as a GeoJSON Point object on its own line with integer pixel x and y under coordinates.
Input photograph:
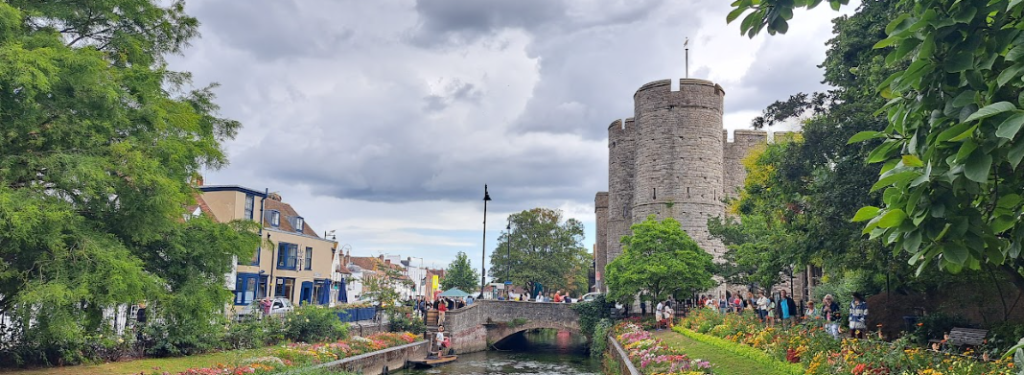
{"type": "Point", "coordinates": [679, 156]}
{"type": "Point", "coordinates": [621, 158]}
{"type": "Point", "coordinates": [733, 153]}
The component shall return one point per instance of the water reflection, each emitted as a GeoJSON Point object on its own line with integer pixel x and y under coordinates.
{"type": "Point", "coordinates": [544, 352]}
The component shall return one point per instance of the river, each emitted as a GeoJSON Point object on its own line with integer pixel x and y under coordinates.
{"type": "Point", "coordinates": [545, 352]}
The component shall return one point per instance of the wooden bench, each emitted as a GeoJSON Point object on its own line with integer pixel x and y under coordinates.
{"type": "Point", "coordinates": [960, 337]}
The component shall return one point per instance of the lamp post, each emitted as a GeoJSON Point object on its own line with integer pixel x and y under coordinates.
{"type": "Point", "coordinates": [483, 250]}
{"type": "Point", "coordinates": [508, 253]}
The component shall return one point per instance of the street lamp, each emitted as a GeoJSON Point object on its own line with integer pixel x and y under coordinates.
{"type": "Point", "coordinates": [483, 251]}
{"type": "Point", "coordinates": [508, 229]}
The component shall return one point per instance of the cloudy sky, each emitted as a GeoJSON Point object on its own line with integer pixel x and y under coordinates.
{"type": "Point", "coordinates": [383, 120]}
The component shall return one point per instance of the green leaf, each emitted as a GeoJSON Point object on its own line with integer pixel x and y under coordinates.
{"type": "Point", "coordinates": [959, 62]}
{"type": "Point", "coordinates": [886, 42]}
{"type": "Point", "coordinates": [1009, 74]}
{"type": "Point", "coordinates": [964, 98]}
{"type": "Point", "coordinates": [895, 178]}
{"type": "Point", "coordinates": [896, 22]}
{"type": "Point", "coordinates": [953, 131]}
{"type": "Point", "coordinates": [991, 110]}
{"type": "Point", "coordinates": [1009, 128]}
{"type": "Point", "coordinates": [734, 15]}
{"type": "Point", "coordinates": [955, 254]}
{"type": "Point", "coordinates": [835, 5]}
{"type": "Point", "coordinates": [865, 135]}
{"type": "Point", "coordinates": [1016, 153]}
{"type": "Point", "coordinates": [965, 134]}
{"type": "Point", "coordinates": [978, 166]}
{"type": "Point", "coordinates": [865, 213]}
{"type": "Point", "coordinates": [1015, 53]}
{"type": "Point", "coordinates": [892, 218]}
{"type": "Point", "coordinates": [1002, 223]}
{"type": "Point", "coordinates": [1012, 4]}
{"type": "Point", "coordinates": [912, 161]}
{"type": "Point", "coordinates": [913, 242]}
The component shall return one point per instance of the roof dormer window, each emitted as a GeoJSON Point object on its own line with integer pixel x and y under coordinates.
{"type": "Point", "coordinates": [275, 218]}
{"type": "Point", "coordinates": [299, 224]}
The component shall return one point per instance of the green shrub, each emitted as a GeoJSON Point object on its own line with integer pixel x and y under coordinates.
{"type": "Point", "coordinates": [314, 324]}
{"type": "Point", "coordinates": [254, 333]}
{"type": "Point", "coordinates": [592, 312]}
{"type": "Point", "coordinates": [935, 325]}
{"type": "Point", "coordinates": [406, 322]}
{"type": "Point", "coordinates": [599, 341]}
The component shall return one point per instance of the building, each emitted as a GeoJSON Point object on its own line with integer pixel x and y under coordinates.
{"type": "Point", "coordinates": [673, 159]}
{"type": "Point", "coordinates": [362, 268]}
{"type": "Point", "coordinates": [293, 261]}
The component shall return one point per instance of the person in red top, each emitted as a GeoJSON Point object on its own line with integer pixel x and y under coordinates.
{"type": "Point", "coordinates": [442, 307]}
{"type": "Point", "coordinates": [558, 296]}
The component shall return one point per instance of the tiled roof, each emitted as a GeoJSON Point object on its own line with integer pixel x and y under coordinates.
{"type": "Point", "coordinates": [287, 214]}
{"type": "Point", "coordinates": [343, 269]}
{"type": "Point", "coordinates": [202, 206]}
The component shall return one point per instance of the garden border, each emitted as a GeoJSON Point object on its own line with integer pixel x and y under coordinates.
{"type": "Point", "coordinates": [374, 363]}
{"type": "Point", "coordinates": [623, 357]}
{"type": "Point", "coordinates": [742, 351]}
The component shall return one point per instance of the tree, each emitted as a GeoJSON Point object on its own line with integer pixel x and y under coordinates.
{"type": "Point", "coordinates": [99, 142]}
{"type": "Point", "coordinates": [952, 148]}
{"type": "Point", "coordinates": [659, 259]}
{"type": "Point", "coordinates": [544, 249]}
{"type": "Point", "coordinates": [460, 274]}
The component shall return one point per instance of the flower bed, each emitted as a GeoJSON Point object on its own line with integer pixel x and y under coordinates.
{"type": "Point", "coordinates": [820, 353]}
{"type": "Point", "coordinates": [651, 356]}
{"type": "Point", "coordinates": [297, 355]}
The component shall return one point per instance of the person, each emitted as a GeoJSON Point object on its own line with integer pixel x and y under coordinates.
{"type": "Point", "coordinates": [441, 341]}
{"type": "Point", "coordinates": [643, 308]}
{"type": "Point", "coordinates": [737, 303]}
{"type": "Point", "coordinates": [723, 304]}
{"type": "Point", "coordinates": [442, 308]}
{"type": "Point", "coordinates": [830, 310]}
{"type": "Point", "coordinates": [659, 313]}
{"type": "Point", "coordinates": [858, 316]}
{"type": "Point", "coordinates": [762, 307]}
{"type": "Point", "coordinates": [469, 300]}
{"type": "Point", "coordinates": [527, 296]}
{"type": "Point", "coordinates": [265, 304]}
{"type": "Point", "coordinates": [811, 313]}
{"type": "Point", "coordinates": [669, 316]}
{"type": "Point", "coordinates": [787, 308]}
{"type": "Point", "coordinates": [558, 296]}
{"type": "Point", "coordinates": [771, 311]}
{"type": "Point", "coordinates": [749, 303]}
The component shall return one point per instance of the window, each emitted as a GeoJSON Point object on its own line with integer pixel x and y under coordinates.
{"type": "Point", "coordinates": [298, 224]}
{"type": "Point", "coordinates": [309, 258]}
{"type": "Point", "coordinates": [256, 258]}
{"type": "Point", "coordinates": [250, 201]}
{"type": "Point", "coordinates": [285, 287]}
{"type": "Point", "coordinates": [286, 254]}
{"type": "Point", "coordinates": [249, 286]}
{"type": "Point", "coordinates": [275, 218]}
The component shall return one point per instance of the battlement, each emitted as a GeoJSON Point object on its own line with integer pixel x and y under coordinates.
{"type": "Point", "coordinates": [601, 200]}
{"type": "Point", "coordinates": [749, 136]}
{"type": "Point", "coordinates": [615, 125]}
{"type": "Point", "coordinates": [785, 136]}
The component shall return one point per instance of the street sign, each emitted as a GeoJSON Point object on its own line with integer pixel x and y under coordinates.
{"type": "Point", "coordinates": [508, 283]}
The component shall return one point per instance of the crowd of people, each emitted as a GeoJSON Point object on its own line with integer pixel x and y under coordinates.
{"type": "Point", "coordinates": [774, 309]}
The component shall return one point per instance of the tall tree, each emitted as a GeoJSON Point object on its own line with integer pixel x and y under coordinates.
{"type": "Point", "coordinates": [460, 274]}
{"type": "Point", "coordinates": [544, 249]}
{"type": "Point", "coordinates": [952, 149]}
{"type": "Point", "coordinates": [659, 259]}
{"type": "Point", "coordinates": [99, 142]}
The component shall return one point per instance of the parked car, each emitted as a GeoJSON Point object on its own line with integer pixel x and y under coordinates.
{"type": "Point", "coordinates": [278, 306]}
{"type": "Point", "coordinates": [590, 296]}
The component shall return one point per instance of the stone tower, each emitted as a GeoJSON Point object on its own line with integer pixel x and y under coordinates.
{"type": "Point", "coordinates": [673, 160]}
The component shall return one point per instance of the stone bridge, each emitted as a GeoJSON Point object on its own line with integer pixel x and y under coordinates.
{"type": "Point", "coordinates": [475, 327]}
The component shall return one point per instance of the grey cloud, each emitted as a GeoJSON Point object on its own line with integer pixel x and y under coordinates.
{"type": "Point", "coordinates": [272, 29]}
{"type": "Point", "coordinates": [455, 91]}
{"type": "Point", "coordinates": [466, 21]}
{"type": "Point", "coordinates": [778, 72]}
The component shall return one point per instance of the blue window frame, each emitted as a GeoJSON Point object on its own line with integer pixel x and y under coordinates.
{"type": "Point", "coordinates": [286, 256]}
{"type": "Point", "coordinates": [249, 286]}
{"type": "Point", "coordinates": [250, 203]}
{"type": "Point", "coordinates": [309, 258]}
{"type": "Point", "coordinates": [275, 218]}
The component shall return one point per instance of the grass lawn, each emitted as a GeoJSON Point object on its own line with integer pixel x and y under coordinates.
{"type": "Point", "coordinates": [172, 365]}
{"type": "Point", "coordinates": [724, 363]}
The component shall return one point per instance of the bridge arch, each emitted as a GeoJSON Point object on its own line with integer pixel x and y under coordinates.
{"type": "Point", "coordinates": [475, 327]}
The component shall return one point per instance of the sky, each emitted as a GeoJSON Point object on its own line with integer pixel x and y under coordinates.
{"type": "Point", "coordinates": [382, 120]}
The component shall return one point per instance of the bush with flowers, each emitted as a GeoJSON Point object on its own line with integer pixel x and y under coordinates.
{"type": "Point", "coordinates": [651, 356]}
{"type": "Point", "coordinates": [298, 355]}
{"type": "Point", "coordinates": [820, 353]}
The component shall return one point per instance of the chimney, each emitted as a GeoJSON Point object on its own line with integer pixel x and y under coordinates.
{"type": "Point", "coordinates": [274, 196]}
{"type": "Point", "coordinates": [348, 256]}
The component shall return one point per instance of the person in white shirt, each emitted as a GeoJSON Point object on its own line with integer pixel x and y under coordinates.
{"type": "Point", "coordinates": [763, 306]}
{"type": "Point", "coordinates": [659, 311]}
{"type": "Point", "coordinates": [439, 339]}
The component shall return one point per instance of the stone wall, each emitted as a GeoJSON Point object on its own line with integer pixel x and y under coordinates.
{"type": "Point", "coordinates": [381, 361]}
{"type": "Point", "coordinates": [475, 327]}
{"type": "Point", "coordinates": [601, 242]}
{"type": "Point", "coordinates": [621, 161]}
{"type": "Point", "coordinates": [733, 154]}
